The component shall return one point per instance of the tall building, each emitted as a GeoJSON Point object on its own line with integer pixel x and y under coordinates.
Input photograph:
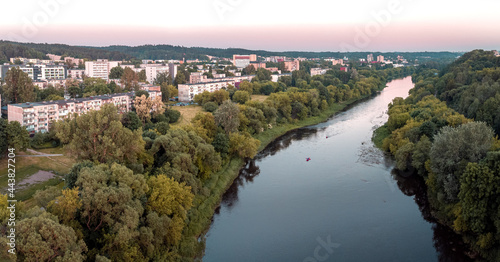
{"type": "Point", "coordinates": [152, 71]}
{"type": "Point", "coordinates": [99, 68]}
{"type": "Point", "coordinates": [380, 59]}
{"type": "Point", "coordinates": [197, 77]}
{"type": "Point", "coordinates": [369, 58]}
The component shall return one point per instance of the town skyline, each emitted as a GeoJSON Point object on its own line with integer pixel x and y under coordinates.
{"type": "Point", "coordinates": [385, 26]}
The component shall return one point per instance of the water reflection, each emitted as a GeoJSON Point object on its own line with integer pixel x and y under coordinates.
{"type": "Point", "coordinates": [448, 244]}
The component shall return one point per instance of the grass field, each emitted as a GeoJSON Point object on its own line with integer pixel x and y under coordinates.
{"type": "Point", "coordinates": [27, 166]}
{"type": "Point", "coordinates": [187, 113]}
{"type": "Point", "coordinates": [259, 98]}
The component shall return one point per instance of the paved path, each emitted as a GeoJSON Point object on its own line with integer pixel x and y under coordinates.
{"type": "Point", "coordinates": [38, 154]}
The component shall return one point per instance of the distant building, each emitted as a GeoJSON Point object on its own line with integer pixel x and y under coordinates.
{"type": "Point", "coordinates": [292, 65]}
{"type": "Point", "coordinates": [318, 71]}
{"type": "Point", "coordinates": [73, 61]}
{"type": "Point", "coordinates": [188, 91]}
{"type": "Point", "coordinates": [345, 69]}
{"type": "Point", "coordinates": [380, 59]}
{"type": "Point", "coordinates": [275, 78]}
{"type": "Point", "coordinates": [242, 61]}
{"type": "Point", "coordinates": [496, 53]}
{"type": "Point", "coordinates": [369, 58]}
{"type": "Point", "coordinates": [152, 71]}
{"type": "Point", "coordinates": [258, 65]}
{"type": "Point", "coordinates": [54, 57]}
{"type": "Point", "coordinates": [99, 68]}
{"type": "Point", "coordinates": [76, 73]}
{"type": "Point", "coordinates": [197, 77]}
{"type": "Point", "coordinates": [337, 61]}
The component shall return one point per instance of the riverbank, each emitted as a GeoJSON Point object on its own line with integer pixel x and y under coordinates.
{"type": "Point", "coordinates": [204, 206]}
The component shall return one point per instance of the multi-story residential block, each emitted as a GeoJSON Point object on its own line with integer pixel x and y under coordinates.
{"type": "Point", "coordinates": [38, 72]}
{"type": "Point", "coordinates": [54, 57]}
{"type": "Point", "coordinates": [369, 58]}
{"type": "Point", "coordinates": [292, 65]}
{"type": "Point", "coordinates": [73, 61]}
{"type": "Point", "coordinates": [76, 73]}
{"type": "Point", "coordinates": [197, 77]}
{"type": "Point", "coordinates": [242, 61]}
{"type": "Point", "coordinates": [318, 71]}
{"type": "Point", "coordinates": [99, 68]}
{"type": "Point", "coordinates": [275, 78]}
{"type": "Point", "coordinates": [188, 91]}
{"type": "Point", "coordinates": [380, 58]}
{"type": "Point", "coordinates": [152, 71]}
{"type": "Point", "coordinates": [38, 116]}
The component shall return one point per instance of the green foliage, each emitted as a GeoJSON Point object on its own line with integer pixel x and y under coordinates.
{"type": "Point", "coordinates": [18, 87]}
{"type": "Point", "coordinates": [172, 115]}
{"type": "Point", "coordinates": [13, 135]}
{"type": "Point", "coordinates": [116, 72]}
{"type": "Point", "coordinates": [100, 136]}
{"type": "Point", "coordinates": [131, 121]}
{"type": "Point", "coordinates": [41, 238]}
{"type": "Point", "coordinates": [227, 116]}
{"type": "Point", "coordinates": [141, 93]}
{"type": "Point", "coordinates": [241, 97]}
{"type": "Point", "coordinates": [243, 145]}
{"type": "Point", "coordinates": [210, 107]}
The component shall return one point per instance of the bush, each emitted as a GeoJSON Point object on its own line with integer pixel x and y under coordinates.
{"type": "Point", "coordinates": [172, 115]}
{"type": "Point", "coordinates": [210, 107]}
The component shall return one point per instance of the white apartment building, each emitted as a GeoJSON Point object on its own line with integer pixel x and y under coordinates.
{"type": "Point", "coordinates": [99, 68]}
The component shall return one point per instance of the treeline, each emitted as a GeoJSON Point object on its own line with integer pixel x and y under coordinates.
{"type": "Point", "coordinates": [33, 50]}
{"type": "Point", "coordinates": [458, 156]}
{"type": "Point", "coordinates": [179, 52]}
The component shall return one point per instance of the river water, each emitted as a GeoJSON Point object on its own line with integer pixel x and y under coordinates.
{"type": "Point", "coordinates": [345, 204]}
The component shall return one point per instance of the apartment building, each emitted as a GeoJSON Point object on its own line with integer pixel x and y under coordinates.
{"type": "Point", "coordinates": [242, 61]}
{"type": "Point", "coordinates": [152, 71]}
{"type": "Point", "coordinates": [380, 58]}
{"type": "Point", "coordinates": [197, 77]}
{"type": "Point", "coordinates": [188, 91]}
{"type": "Point", "coordinates": [38, 72]}
{"type": "Point", "coordinates": [38, 116]}
{"type": "Point", "coordinates": [76, 73]}
{"type": "Point", "coordinates": [99, 68]}
{"type": "Point", "coordinates": [369, 58]}
{"type": "Point", "coordinates": [318, 71]}
{"type": "Point", "coordinates": [292, 65]}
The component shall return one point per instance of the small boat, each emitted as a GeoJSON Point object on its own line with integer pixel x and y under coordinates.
{"type": "Point", "coordinates": [307, 159]}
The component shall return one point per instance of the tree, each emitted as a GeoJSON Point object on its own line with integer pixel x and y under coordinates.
{"type": "Point", "coordinates": [453, 148]}
{"type": "Point", "coordinates": [116, 72]}
{"type": "Point", "coordinates": [43, 239]}
{"type": "Point", "coordinates": [241, 97]}
{"type": "Point", "coordinates": [131, 121]}
{"type": "Point", "coordinates": [100, 136]}
{"type": "Point", "coordinates": [210, 107]}
{"type": "Point", "coordinates": [162, 78]}
{"type": "Point", "coordinates": [145, 107]}
{"type": "Point", "coordinates": [172, 115]}
{"type": "Point", "coordinates": [167, 197]}
{"type": "Point", "coordinates": [130, 79]}
{"type": "Point", "coordinates": [54, 98]}
{"type": "Point", "coordinates": [13, 135]}
{"type": "Point", "coordinates": [18, 87]}
{"type": "Point", "coordinates": [246, 86]}
{"type": "Point", "coordinates": [112, 199]}
{"type": "Point", "coordinates": [221, 144]}
{"type": "Point", "coordinates": [227, 116]}
{"type": "Point", "coordinates": [142, 75]}
{"type": "Point", "coordinates": [248, 70]}
{"type": "Point", "coordinates": [243, 145]}
{"type": "Point", "coordinates": [141, 93]}
{"type": "Point", "coordinates": [66, 205]}
{"type": "Point", "coordinates": [180, 78]}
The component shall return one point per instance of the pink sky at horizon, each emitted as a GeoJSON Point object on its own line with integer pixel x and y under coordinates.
{"type": "Point", "coordinates": [315, 25]}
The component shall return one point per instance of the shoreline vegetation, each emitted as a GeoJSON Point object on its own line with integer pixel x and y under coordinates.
{"type": "Point", "coordinates": [446, 132]}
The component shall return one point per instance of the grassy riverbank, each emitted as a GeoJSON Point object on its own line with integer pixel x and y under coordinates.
{"type": "Point", "coordinates": [204, 206]}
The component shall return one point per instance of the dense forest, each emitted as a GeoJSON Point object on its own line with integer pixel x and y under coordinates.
{"type": "Point", "coordinates": [33, 50]}
{"type": "Point", "coordinates": [446, 131]}
{"type": "Point", "coordinates": [145, 188]}
{"type": "Point", "coordinates": [37, 50]}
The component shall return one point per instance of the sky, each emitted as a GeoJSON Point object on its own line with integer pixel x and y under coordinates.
{"type": "Point", "coordinates": [274, 25]}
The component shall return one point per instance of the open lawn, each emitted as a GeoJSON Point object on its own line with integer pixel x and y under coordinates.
{"type": "Point", "coordinates": [25, 167]}
{"type": "Point", "coordinates": [259, 98]}
{"type": "Point", "coordinates": [187, 113]}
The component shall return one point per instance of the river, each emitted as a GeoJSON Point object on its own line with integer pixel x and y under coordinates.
{"type": "Point", "coordinates": [345, 204]}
